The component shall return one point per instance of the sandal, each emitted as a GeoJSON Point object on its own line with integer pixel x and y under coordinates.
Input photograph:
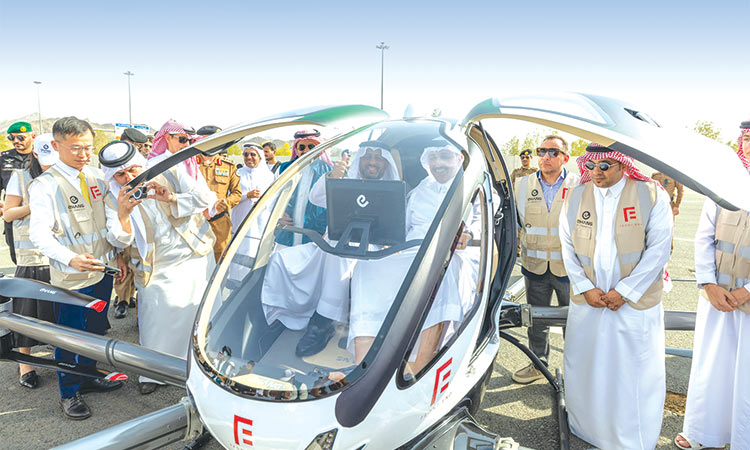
{"type": "Point", "coordinates": [692, 445]}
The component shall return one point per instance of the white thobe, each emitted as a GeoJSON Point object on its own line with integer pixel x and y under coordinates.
{"type": "Point", "coordinates": [250, 179]}
{"type": "Point", "coordinates": [168, 304]}
{"type": "Point", "coordinates": [375, 283]}
{"type": "Point", "coordinates": [615, 380]}
{"type": "Point", "coordinates": [718, 400]}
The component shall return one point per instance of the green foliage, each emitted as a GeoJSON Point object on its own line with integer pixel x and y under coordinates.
{"type": "Point", "coordinates": [102, 138]}
{"type": "Point", "coordinates": [735, 146]}
{"type": "Point", "coordinates": [511, 147]}
{"type": "Point", "coordinates": [532, 141]}
{"type": "Point", "coordinates": [284, 150]}
{"type": "Point", "coordinates": [234, 150]}
{"type": "Point", "coordinates": [578, 147]}
{"type": "Point", "coordinates": [707, 129]}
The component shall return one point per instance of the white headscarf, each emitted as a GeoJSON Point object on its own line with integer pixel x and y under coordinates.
{"type": "Point", "coordinates": [113, 152]}
{"type": "Point", "coordinates": [259, 177]}
{"type": "Point", "coordinates": [437, 145]}
{"type": "Point", "coordinates": [391, 172]}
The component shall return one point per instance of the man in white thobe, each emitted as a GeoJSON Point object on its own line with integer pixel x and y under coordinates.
{"type": "Point", "coordinates": [375, 283]}
{"type": "Point", "coordinates": [718, 399]}
{"type": "Point", "coordinates": [178, 271]}
{"type": "Point", "coordinates": [307, 288]}
{"type": "Point", "coordinates": [615, 230]}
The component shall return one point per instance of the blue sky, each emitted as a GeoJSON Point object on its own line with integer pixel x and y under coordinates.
{"type": "Point", "coordinates": [225, 62]}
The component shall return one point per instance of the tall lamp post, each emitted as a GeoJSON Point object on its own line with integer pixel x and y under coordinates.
{"type": "Point", "coordinates": [382, 47]}
{"type": "Point", "coordinates": [130, 111]}
{"type": "Point", "coordinates": [39, 106]}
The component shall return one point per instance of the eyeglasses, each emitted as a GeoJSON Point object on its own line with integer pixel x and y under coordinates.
{"type": "Point", "coordinates": [525, 156]}
{"type": "Point", "coordinates": [79, 149]}
{"type": "Point", "coordinates": [247, 154]}
{"type": "Point", "coordinates": [183, 139]}
{"type": "Point", "coordinates": [552, 152]}
{"type": "Point", "coordinates": [12, 137]}
{"type": "Point", "coordinates": [603, 165]}
{"type": "Point", "coordinates": [303, 146]}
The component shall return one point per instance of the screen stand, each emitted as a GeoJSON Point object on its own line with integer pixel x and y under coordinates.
{"type": "Point", "coordinates": [364, 241]}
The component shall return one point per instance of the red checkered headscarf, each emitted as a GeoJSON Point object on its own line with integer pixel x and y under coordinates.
{"type": "Point", "coordinates": [740, 152]}
{"type": "Point", "coordinates": [313, 135]}
{"type": "Point", "coordinates": [596, 151]}
{"type": "Point", "coordinates": [160, 144]}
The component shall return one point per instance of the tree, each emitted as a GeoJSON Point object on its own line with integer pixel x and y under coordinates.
{"type": "Point", "coordinates": [511, 147]}
{"type": "Point", "coordinates": [578, 147]}
{"type": "Point", "coordinates": [707, 129]}
{"type": "Point", "coordinates": [284, 150]}
{"type": "Point", "coordinates": [234, 150]}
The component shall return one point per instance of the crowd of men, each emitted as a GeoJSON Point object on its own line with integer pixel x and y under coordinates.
{"type": "Point", "coordinates": [600, 241]}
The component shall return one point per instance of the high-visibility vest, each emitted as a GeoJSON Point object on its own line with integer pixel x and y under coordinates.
{"type": "Point", "coordinates": [78, 226]}
{"type": "Point", "coordinates": [194, 230]}
{"type": "Point", "coordinates": [540, 235]}
{"type": "Point", "coordinates": [26, 254]}
{"type": "Point", "coordinates": [732, 240]}
{"type": "Point", "coordinates": [633, 210]}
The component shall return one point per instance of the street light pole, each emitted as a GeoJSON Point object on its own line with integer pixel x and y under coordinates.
{"type": "Point", "coordinates": [39, 106]}
{"type": "Point", "coordinates": [382, 47]}
{"type": "Point", "coordinates": [130, 110]}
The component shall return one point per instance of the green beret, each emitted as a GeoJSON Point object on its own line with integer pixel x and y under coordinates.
{"type": "Point", "coordinates": [525, 152]}
{"type": "Point", "coordinates": [20, 127]}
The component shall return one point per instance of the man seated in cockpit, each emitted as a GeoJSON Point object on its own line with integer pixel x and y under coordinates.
{"type": "Point", "coordinates": [305, 287]}
{"type": "Point", "coordinates": [375, 283]}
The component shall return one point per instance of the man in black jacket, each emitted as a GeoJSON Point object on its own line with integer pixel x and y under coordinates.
{"type": "Point", "coordinates": [22, 138]}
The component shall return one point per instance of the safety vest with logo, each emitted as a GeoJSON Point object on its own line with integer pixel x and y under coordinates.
{"type": "Point", "coordinates": [194, 230]}
{"type": "Point", "coordinates": [26, 254]}
{"type": "Point", "coordinates": [540, 235]}
{"type": "Point", "coordinates": [78, 226]}
{"type": "Point", "coordinates": [633, 211]}
{"type": "Point", "coordinates": [732, 240]}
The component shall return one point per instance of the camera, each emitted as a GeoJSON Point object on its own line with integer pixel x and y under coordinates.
{"type": "Point", "coordinates": [140, 193]}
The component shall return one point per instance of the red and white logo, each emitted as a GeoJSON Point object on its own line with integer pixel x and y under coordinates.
{"type": "Point", "coordinates": [97, 305]}
{"type": "Point", "coordinates": [564, 193]}
{"type": "Point", "coordinates": [116, 376]}
{"type": "Point", "coordinates": [629, 213]}
{"type": "Point", "coordinates": [241, 430]}
{"type": "Point", "coordinates": [95, 192]}
{"type": "Point", "coordinates": [441, 380]}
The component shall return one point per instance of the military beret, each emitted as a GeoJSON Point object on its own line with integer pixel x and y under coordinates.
{"type": "Point", "coordinates": [526, 151]}
{"type": "Point", "coordinates": [744, 125]}
{"type": "Point", "coordinates": [208, 130]}
{"type": "Point", "coordinates": [133, 135]}
{"type": "Point", "coordinates": [20, 127]}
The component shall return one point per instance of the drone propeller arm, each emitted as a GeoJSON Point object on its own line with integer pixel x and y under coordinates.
{"type": "Point", "coordinates": [20, 288]}
{"type": "Point", "coordinates": [62, 366]}
{"type": "Point", "coordinates": [122, 355]}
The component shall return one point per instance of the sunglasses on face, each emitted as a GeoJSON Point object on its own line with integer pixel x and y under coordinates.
{"type": "Point", "coordinates": [303, 146]}
{"type": "Point", "coordinates": [12, 137]}
{"type": "Point", "coordinates": [248, 154]}
{"type": "Point", "coordinates": [525, 157]}
{"type": "Point", "coordinates": [603, 165]}
{"type": "Point", "coordinates": [552, 152]}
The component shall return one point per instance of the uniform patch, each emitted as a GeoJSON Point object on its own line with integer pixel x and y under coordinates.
{"type": "Point", "coordinates": [629, 213]}
{"type": "Point", "coordinates": [585, 215]}
{"type": "Point", "coordinates": [73, 199]}
{"type": "Point", "coordinates": [222, 171]}
{"type": "Point", "coordinates": [534, 193]}
{"type": "Point", "coordinates": [95, 192]}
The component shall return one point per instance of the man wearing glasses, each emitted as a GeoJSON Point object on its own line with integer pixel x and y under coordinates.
{"type": "Point", "coordinates": [615, 229]}
{"type": "Point", "coordinates": [22, 138]}
{"type": "Point", "coordinates": [526, 167]}
{"type": "Point", "coordinates": [539, 199]}
{"type": "Point", "coordinates": [69, 226]}
{"type": "Point", "coordinates": [138, 139]}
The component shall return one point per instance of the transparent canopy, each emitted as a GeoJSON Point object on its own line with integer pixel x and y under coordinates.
{"type": "Point", "coordinates": [315, 268]}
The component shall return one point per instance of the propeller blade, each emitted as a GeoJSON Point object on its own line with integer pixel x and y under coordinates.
{"type": "Point", "coordinates": [63, 366]}
{"type": "Point", "coordinates": [24, 288]}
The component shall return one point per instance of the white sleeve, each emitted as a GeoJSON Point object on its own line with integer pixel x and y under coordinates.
{"type": "Point", "coordinates": [579, 282]}
{"type": "Point", "coordinates": [41, 223]}
{"type": "Point", "coordinates": [318, 192]}
{"type": "Point", "coordinates": [14, 185]}
{"type": "Point", "coordinates": [115, 234]}
{"type": "Point", "coordinates": [655, 256]}
{"type": "Point", "coordinates": [705, 247]}
{"type": "Point", "coordinates": [193, 196]}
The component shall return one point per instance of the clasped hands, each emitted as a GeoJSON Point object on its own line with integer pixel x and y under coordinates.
{"type": "Point", "coordinates": [726, 301]}
{"type": "Point", "coordinates": [596, 298]}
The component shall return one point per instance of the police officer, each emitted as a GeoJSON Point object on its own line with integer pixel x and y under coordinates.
{"type": "Point", "coordinates": [221, 176]}
{"type": "Point", "coordinates": [22, 138]}
{"type": "Point", "coordinates": [673, 188]}
{"type": "Point", "coordinates": [138, 139]}
{"type": "Point", "coordinates": [525, 169]}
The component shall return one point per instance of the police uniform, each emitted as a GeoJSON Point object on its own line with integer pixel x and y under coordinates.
{"type": "Point", "coordinates": [9, 161]}
{"type": "Point", "coordinates": [520, 173]}
{"type": "Point", "coordinates": [674, 190]}
{"type": "Point", "coordinates": [221, 177]}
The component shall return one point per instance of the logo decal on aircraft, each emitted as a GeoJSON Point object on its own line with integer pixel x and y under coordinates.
{"type": "Point", "coordinates": [241, 430]}
{"type": "Point", "coordinates": [441, 379]}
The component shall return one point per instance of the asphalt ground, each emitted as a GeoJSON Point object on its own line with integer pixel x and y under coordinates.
{"type": "Point", "coordinates": [31, 419]}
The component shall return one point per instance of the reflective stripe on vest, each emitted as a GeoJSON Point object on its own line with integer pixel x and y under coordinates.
{"type": "Point", "coordinates": [629, 239]}
{"type": "Point", "coordinates": [732, 255]}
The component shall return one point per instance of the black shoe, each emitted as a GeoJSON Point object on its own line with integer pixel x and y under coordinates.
{"type": "Point", "coordinates": [131, 305]}
{"type": "Point", "coordinates": [99, 385]}
{"type": "Point", "coordinates": [29, 380]}
{"type": "Point", "coordinates": [121, 310]}
{"type": "Point", "coordinates": [75, 408]}
{"type": "Point", "coordinates": [319, 331]}
{"type": "Point", "coordinates": [147, 387]}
